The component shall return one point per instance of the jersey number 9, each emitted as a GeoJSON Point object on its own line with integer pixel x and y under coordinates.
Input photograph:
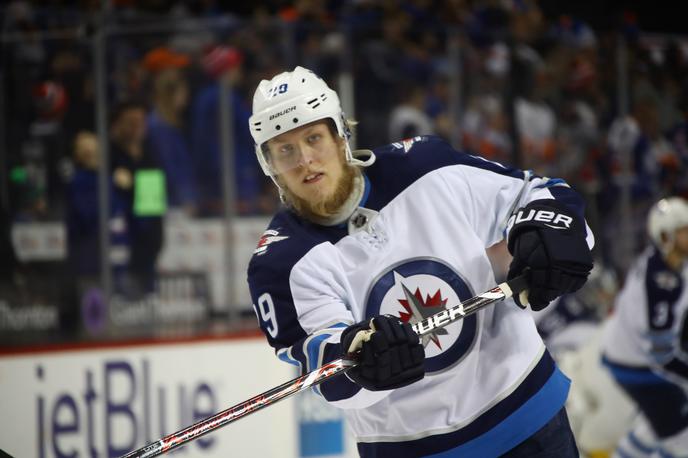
{"type": "Point", "coordinates": [266, 312]}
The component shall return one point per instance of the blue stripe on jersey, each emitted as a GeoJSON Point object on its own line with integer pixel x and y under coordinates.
{"type": "Point", "coordinates": [315, 347]}
{"type": "Point", "coordinates": [627, 375]}
{"type": "Point", "coordinates": [636, 442]}
{"type": "Point", "coordinates": [551, 183]}
{"type": "Point", "coordinates": [520, 425]}
{"type": "Point", "coordinates": [283, 355]}
{"type": "Point", "coordinates": [530, 406]}
{"type": "Point", "coordinates": [366, 191]}
{"type": "Point", "coordinates": [313, 351]}
{"type": "Point", "coordinates": [665, 454]}
{"type": "Point", "coordinates": [622, 453]}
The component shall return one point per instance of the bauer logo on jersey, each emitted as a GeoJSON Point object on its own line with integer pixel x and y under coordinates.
{"type": "Point", "coordinates": [417, 289]}
{"type": "Point", "coordinates": [268, 237]}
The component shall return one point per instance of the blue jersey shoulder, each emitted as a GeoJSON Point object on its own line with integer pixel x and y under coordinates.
{"type": "Point", "coordinates": [282, 244]}
{"type": "Point", "coordinates": [422, 154]}
{"type": "Point", "coordinates": [285, 241]}
{"type": "Point", "coordinates": [400, 164]}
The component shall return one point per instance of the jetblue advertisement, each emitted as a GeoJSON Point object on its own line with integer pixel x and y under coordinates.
{"type": "Point", "coordinates": [107, 402]}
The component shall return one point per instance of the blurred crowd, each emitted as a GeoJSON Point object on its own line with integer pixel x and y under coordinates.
{"type": "Point", "coordinates": [501, 78]}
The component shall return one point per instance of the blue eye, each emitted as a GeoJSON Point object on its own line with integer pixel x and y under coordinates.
{"type": "Point", "coordinates": [286, 150]}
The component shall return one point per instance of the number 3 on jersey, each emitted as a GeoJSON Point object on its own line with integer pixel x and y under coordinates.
{"type": "Point", "coordinates": [266, 314]}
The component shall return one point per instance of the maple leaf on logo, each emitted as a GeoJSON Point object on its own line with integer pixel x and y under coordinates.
{"type": "Point", "coordinates": [418, 309]}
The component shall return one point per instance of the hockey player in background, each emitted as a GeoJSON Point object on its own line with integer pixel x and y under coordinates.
{"type": "Point", "coordinates": [571, 326]}
{"type": "Point", "coordinates": [571, 320]}
{"type": "Point", "coordinates": [381, 239]}
{"type": "Point", "coordinates": [600, 413]}
{"type": "Point", "coordinates": [645, 345]}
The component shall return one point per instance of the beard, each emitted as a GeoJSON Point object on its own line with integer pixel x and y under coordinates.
{"type": "Point", "coordinates": [324, 206]}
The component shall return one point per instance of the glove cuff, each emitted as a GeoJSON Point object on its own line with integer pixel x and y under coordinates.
{"type": "Point", "coordinates": [547, 214]}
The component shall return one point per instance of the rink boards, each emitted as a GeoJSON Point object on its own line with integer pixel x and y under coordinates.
{"type": "Point", "coordinates": [108, 400]}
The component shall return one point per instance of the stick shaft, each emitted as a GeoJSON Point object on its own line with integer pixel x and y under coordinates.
{"type": "Point", "coordinates": [241, 410]}
{"type": "Point", "coordinates": [327, 371]}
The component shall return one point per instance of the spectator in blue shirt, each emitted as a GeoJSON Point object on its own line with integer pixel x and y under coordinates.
{"type": "Point", "coordinates": [223, 65]}
{"type": "Point", "coordinates": [168, 139]}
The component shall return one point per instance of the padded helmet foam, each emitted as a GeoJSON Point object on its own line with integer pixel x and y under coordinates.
{"type": "Point", "coordinates": [666, 216]}
{"type": "Point", "coordinates": [290, 100]}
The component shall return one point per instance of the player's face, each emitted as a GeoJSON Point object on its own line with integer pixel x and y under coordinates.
{"type": "Point", "coordinates": [310, 162]}
{"type": "Point", "coordinates": [681, 242]}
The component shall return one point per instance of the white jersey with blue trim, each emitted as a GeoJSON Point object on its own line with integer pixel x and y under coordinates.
{"type": "Point", "coordinates": [427, 214]}
{"type": "Point", "coordinates": [648, 323]}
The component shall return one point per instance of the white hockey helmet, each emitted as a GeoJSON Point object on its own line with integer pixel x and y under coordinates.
{"type": "Point", "coordinates": [666, 216]}
{"type": "Point", "coordinates": [290, 100]}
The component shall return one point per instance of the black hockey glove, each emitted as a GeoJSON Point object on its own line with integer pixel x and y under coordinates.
{"type": "Point", "coordinates": [391, 357]}
{"type": "Point", "coordinates": [549, 240]}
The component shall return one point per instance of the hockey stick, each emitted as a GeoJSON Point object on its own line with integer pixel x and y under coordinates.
{"type": "Point", "coordinates": [439, 320]}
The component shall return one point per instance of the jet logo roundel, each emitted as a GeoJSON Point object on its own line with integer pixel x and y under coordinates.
{"type": "Point", "coordinates": [416, 289]}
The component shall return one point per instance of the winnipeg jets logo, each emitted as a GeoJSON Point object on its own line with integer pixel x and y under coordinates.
{"type": "Point", "coordinates": [268, 237]}
{"type": "Point", "coordinates": [418, 289]}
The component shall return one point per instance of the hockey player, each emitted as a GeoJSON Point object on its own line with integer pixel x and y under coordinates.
{"type": "Point", "coordinates": [571, 326]}
{"type": "Point", "coordinates": [380, 239]}
{"type": "Point", "coordinates": [569, 322]}
{"type": "Point", "coordinates": [646, 339]}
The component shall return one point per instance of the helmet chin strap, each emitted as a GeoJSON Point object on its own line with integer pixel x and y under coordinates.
{"type": "Point", "coordinates": [362, 153]}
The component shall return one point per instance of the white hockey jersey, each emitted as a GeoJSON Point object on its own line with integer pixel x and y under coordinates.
{"type": "Point", "coordinates": [427, 214]}
{"type": "Point", "coordinates": [648, 330]}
